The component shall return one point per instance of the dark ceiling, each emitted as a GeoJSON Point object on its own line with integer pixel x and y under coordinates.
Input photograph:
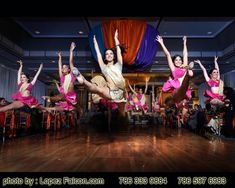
{"type": "Point", "coordinates": [36, 40]}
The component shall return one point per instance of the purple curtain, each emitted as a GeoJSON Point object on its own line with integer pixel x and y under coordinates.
{"type": "Point", "coordinates": [147, 51]}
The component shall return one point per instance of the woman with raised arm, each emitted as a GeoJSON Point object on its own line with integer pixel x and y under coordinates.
{"type": "Point", "coordinates": [23, 97]}
{"type": "Point", "coordinates": [139, 99]}
{"type": "Point", "coordinates": [179, 70]}
{"type": "Point", "coordinates": [143, 103]}
{"type": "Point", "coordinates": [135, 98]}
{"type": "Point", "coordinates": [215, 95]}
{"type": "Point", "coordinates": [67, 98]}
{"type": "Point", "coordinates": [113, 73]}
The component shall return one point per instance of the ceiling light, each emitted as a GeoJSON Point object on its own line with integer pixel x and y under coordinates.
{"type": "Point", "coordinates": [80, 32]}
{"type": "Point", "coordinates": [37, 32]}
{"type": "Point", "coordinates": [209, 33]}
{"type": "Point", "coordinates": [53, 61]}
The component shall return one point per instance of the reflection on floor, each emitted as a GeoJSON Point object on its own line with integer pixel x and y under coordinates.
{"type": "Point", "coordinates": [133, 150]}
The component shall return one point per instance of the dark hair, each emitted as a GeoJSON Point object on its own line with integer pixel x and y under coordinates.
{"type": "Point", "coordinates": [27, 76]}
{"type": "Point", "coordinates": [2, 98]}
{"type": "Point", "coordinates": [123, 50]}
{"type": "Point", "coordinates": [114, 55]}
{"type": "Point", "coordinates": [175, 56]}
{"type": "Point", "coordinates": [211, 70]}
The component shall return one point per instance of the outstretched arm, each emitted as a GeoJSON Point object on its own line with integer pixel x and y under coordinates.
{"type": "Point", "coordinates": [167, 53]}
{"type": "Point", "coordinates": [117, 43]}
{"type": "Point", "coordinates": [217, 66]}
{"type": "Point", "coordinates": [99, 56]}
{"type": "Point", "coordinates": [203, 69]}
{"type": "Point", "coordinates": [57, 85]}
{"type": "Point", "coordinates": [37, 74]}
{"type": "Point", "coordinates": [19, 72]}
{"type": "Point", "coordinates": [190, 71]}
{"type": "Point", "coordinates": [133, 91]}
{"type": "Point", "coordinates": [185, 52]}
{"type": "Point", "coordinates": [146, 86]}
{"type": "Point", "coordinates": [60, 63]}
{"type": "Point", "coordinates": [72, 47]}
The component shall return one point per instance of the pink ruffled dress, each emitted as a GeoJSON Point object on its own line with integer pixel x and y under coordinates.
{"type": "Point", "coordinates": [70, 97]}
{"type": "Point", "coordinates": [109, 104]}
{"type": "Point", "coordinates": [212, 83]}
{"type": "Point", "coordinates": [30, 101]}
{"type": "Point", "coordinates": [128, 106]}
{"type": "Point", "coordinates": [174, 84]}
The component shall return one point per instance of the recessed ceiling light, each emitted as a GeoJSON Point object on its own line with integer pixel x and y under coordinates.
{"type": "Point", "coordinates": [37, 32]}
{"type": "Point", "coordinates": [80, 32]}
{"type": "Point", "coordinates": [209, 33]}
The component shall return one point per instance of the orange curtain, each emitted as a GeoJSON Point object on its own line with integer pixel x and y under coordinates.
{"type": "Point", "coordinates": [130, 34]}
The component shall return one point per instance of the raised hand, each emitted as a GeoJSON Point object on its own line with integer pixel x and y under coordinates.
{"type": "Point", "coordinates": [41, 66]}
{"type": "Point", "coordinates": [216, 58]}
{"type": "Point", "coordinates": [72, 46]}
{"type": "Point", "coordinates": [185, 39]}
{"type": "Point", "coordinates": [197, 61]}
{"type": "Point", "coordinates": [59, 53]}
{"type": "Point", "coordinates": [20, 62]}
{"type": "Point", "coordinates": [94, 39]}
{"type": "Point", "coordinates": [159, 39]}
{"type": "Point", "coordinates": [116, 34]}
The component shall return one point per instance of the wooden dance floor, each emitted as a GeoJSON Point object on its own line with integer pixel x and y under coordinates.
{"type": "Point", "coordinates": [136, 150]}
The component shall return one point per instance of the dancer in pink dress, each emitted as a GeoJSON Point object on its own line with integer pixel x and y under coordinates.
{"type": "Point", "coordinates": [139, 99]}
{"type": "Point", "coordinates": [129, 104]}
{"type": "Point", "coordinates": [67, 99]}
{"type": "Point", "coordinates": [215, 95]}
{"type": "Point", "coordinates": [179, 70]}
{"type": "Point", "coordinates": [23, 97]}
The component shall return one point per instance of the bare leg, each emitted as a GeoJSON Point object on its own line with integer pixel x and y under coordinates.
{"type": "Point", "coordinates": [56, 98]}
{"type": "Point", "coordinates": [179, 95]}
{"type": "Point", "coordinates": [42, 108]}
{"type": "Point", "coordinates": [14, 105]}
{"type": "Point", "coordinates": [102, 91]}
{"type": "Point", "coordinates": [53, 109]}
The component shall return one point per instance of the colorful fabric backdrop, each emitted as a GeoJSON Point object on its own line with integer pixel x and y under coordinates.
{"type": "Point", "coordinates": [135, 36]}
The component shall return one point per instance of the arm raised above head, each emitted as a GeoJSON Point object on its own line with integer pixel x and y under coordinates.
{"type": "Point", "coordinates": [217, 66]}
{"type": "Point", "coordinates": [185, 52]}
{"type": "Point", "coordinates": [166, 52]}
{"type": "Point", "coordinates": [19, 71]}
{"type": "Point", "coordinates": [60, 63]}
{"type": "Point", "coordinates": [203, 69]}
{"type": "Point", "coordinates": [98, 53]}
{"type": "Point", "coordinates": [37, 74]}
{"type": "Point", "coordinates": [72, 47]}
{"type": "Point", "coordinates": [117, 44]}
{"type": "Point", "coordinates": [133, 91]}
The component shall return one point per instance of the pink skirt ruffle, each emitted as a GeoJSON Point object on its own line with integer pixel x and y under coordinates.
{"type": "Point", "coordinates": [30, 101]}
{"type": "Point", "coordinates": [71, 100]}
{"type": "Point", "coordinates": [213, 95]}
{"type": "Point", "coordinates": [171, 85]}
